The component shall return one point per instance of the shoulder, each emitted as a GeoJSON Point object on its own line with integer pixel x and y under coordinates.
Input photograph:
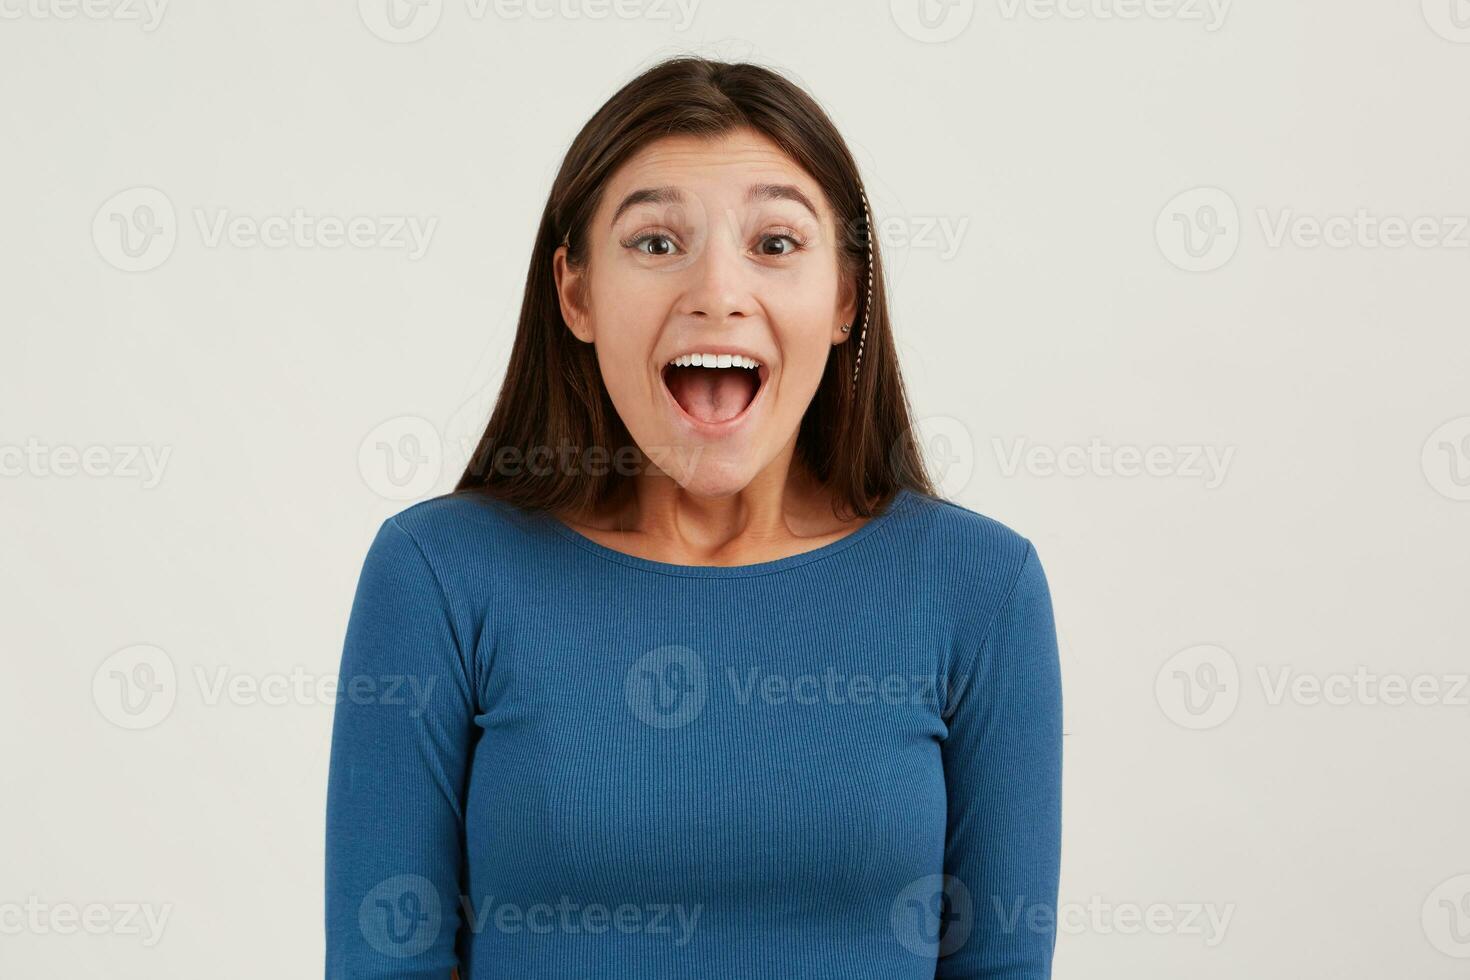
{"type": "Point", "coordinates": [993, 579]}
{"type": "Point", "coordinates": [976, 570]}
{"type": "Point", "coordinates": [970, 546]}
{"type": "Point", "coordinates": [450, 518]}
{"type": "Point", "coordinates": [463, 538]}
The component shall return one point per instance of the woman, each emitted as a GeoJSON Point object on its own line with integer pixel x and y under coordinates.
{"type": "Point", "coordinates": [696, 676]}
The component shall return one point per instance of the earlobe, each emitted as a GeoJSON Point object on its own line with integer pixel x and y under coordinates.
{"type": "Point", "coordinates": [572, 325]}
{"type": "Point", "coordinates": [579, 326]}
{"type": "Point", "coordinates": [847, 312]}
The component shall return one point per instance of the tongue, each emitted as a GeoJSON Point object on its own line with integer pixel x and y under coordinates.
{"type": "Point", "coordinates": [712, 394]}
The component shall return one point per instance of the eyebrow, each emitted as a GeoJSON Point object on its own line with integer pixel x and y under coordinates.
{"type": "Point", "coordinates": [755, 192]}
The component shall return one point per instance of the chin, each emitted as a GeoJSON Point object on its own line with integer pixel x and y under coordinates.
{"type": "Point", "coordinates": [711, 471]}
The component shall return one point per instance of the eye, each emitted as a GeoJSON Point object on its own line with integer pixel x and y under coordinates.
{"type": "Point", "coordinates": [649, 239]}
{"type": "Point", "coordinates": [795, 244]}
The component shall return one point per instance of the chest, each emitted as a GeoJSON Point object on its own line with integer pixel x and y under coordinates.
{"type": "Point", "coordinates": [688, 740]}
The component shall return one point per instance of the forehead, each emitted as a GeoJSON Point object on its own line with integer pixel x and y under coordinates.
{"type": "Point", "coordinates": [723, 166]}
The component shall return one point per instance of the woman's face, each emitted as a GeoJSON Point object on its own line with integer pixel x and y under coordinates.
{"type": "Point", "coordinates": [712, 247]}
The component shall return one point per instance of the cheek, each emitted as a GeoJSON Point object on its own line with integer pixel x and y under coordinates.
{"type": "Point", "coordinates": [806, 341]}
{"type": "Point", "coordinates": [627, 323]}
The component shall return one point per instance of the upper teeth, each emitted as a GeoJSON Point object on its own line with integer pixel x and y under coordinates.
{"type": "Point", "coordinates": [715, 360]}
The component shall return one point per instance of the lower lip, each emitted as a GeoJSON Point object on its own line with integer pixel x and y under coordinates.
{"type": "Point", "coordinates": [717, 429]}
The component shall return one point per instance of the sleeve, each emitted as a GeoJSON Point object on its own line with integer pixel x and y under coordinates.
{"type": "Point", "coordinates": [400, 749]}
{"type": "Point", "coordinates": [1003, 773]}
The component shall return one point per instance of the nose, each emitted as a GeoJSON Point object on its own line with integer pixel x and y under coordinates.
{"type": "Point", "coordinates": [719, 287]}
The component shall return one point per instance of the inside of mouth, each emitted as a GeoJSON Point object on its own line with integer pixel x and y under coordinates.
{"type": "Point", "coordinates": [712, 394]}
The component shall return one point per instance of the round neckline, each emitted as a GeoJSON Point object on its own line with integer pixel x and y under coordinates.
{"type": "Point", "coordinates": [900, 500]}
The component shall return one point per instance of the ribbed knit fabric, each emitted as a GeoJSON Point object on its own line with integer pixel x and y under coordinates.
{"type": "Point", "coordinates": [554, 760]}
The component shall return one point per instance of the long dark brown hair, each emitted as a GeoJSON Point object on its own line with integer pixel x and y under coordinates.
{"type": "Point", "coordinates": [857, 440]}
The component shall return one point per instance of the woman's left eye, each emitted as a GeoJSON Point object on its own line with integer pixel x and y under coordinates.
{"type": "Point", "coordinates": [796, 244]}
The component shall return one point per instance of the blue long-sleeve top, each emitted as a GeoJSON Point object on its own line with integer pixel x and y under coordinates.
{"type": "Point", "coordinates": [551, 759]}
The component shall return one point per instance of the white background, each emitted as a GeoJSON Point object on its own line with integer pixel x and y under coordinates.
{"type": "Point", "coordinates": [1129, 264]}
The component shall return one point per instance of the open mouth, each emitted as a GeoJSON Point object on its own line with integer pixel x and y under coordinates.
{"type": "Point", "coordinates": [714, 388]}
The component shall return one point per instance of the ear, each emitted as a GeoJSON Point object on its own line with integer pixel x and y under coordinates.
{"type": "Point", "coordinates": [571, 289]}
{"type": "Point", "coordinates": [846, 310]}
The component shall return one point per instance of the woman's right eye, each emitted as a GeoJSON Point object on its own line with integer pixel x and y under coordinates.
{"type": "Point", "coordinates": [649, 239]}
